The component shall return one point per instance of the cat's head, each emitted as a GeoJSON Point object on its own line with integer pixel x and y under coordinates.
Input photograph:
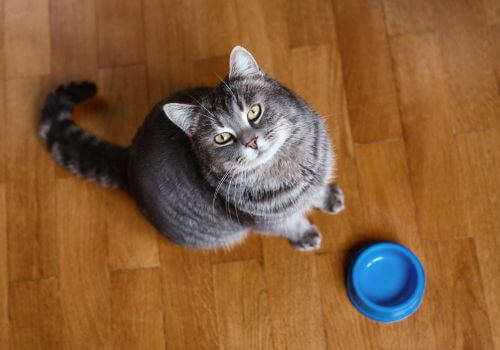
{"type": "Point", "coordinates": [244, 122]}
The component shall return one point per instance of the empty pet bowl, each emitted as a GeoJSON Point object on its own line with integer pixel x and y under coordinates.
{"type": "Point", "coordinates": [386, 282]}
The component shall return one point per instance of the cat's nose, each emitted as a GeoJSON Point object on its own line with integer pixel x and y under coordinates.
{"type": "Point", "coordinates": [252, 143]}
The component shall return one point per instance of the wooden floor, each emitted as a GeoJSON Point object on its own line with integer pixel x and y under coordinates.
{"type": "Point", "coordinates": [410, 91]}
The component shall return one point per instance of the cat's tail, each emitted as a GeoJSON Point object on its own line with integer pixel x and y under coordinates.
{"type": "Point", "coordinates": [77, 150]}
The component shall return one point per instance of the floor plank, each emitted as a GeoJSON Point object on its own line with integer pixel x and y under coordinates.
{"type": "Point", "coordinates": [210, 71]}
{"type": "Point", "coordinates": [27, 47]}
{"type": "Point", "coordinates": [2, 40]}
{"type": "Point", "coordinates": [255, 37]}
{"type": "Point", "coordinates": [35, 315]}
{"type": "Point", "coordinates": [310, 23]}
{"type": "Point", "coordinates": [385, 190]}
{"type": "Point", "coordinates": [84, 280]}
{"type": "Point", "coordinates": [3, 118]}
{"type": "Point", "coordinates": [32, 212]}
{"type": "Point", "coordinates": [4, 274]}
{"type": "Point", "coordinates": [468, 62]}
{"type": "Point", "coordinates": [120, 32]}
{"type": "Point", "coordinates": [278, 35]}
{"type": "Point", "coordinates": [430, 145]}
{"type": "Point", "coordinates": [339, 316]}
{"type": "Point", "coordinates": [132, 240]}
{"type": "Point", "coordinates": [188, 294]}
{"type": "Point", "coordinates": [384, 183]}
{"type": "Point", "coordinates": [294, 297]}
{"type": "Point", "coordinates": [367, 70]}
{"type": "Point", "coordinates": [480, 161]}
{"type": "Point", "coordinates": [3, 133]}
{"type": "Point", "coordinates": [136, 308]}
{"type": "Point", "coordinates": [242, 306]}
{"type": "Point", "coordinates": [342, 320]}
{"type": "Point", "coordinates": [125, 95]}
{"type": "Point", "coordinates": [73, 40]}
{"type": "Point", "coordinates": [211, 37]}
{"type": "Point", "coordinates": [250, 248]}
{"type": "Point", "coordinates": [459, 309]}
{"type": "Point", "coordinates": [173, 35]}
{"type": "Point", "coordinates": [409, 17]}
{"type": "Point", "coordinates": [409, 93]}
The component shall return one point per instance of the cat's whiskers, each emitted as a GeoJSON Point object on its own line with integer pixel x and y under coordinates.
{"type": "Point", "coordinates": [199, 104]}
{"type": "Point", "coordinates": [223, 82]}
{"type": "Point", "coordinates": [218, 187]}
{"type": "Point", "coordinates": [229, 194]}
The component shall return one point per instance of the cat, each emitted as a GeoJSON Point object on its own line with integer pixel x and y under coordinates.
{"type": "Point", "coordinates": [208, 164]}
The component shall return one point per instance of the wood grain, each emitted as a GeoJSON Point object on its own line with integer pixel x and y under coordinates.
{"type": "Point", "coordinates": [409, 93]}
{"type": "Point", "coordinates": [339, 316]}
{"type": "Point", "coordinates": [2, 40]}
{"type": "Point", "coordinates": [294, 297]}
{"type": "Point", "coordinates": [212, 37]}
{"type": "Point", "coordinates": [26, 38]}
{"type": "Point", "coordinates": [242, 306]}
{"type": "Point", "coordinates": [250, 248]}
{"type": "Point", "coordinates": [73, 40]}
{"type": "Point", "coordinates": [409, 17]}
{"type": "Point", "coordinates": [465, 48]}
{"type": "Point", "coordinates": [3, 134]}
{"type": "Point", "coordinates": [132, 240]}
{"type": "Point", "coordinates": [31, 212]}
{"type": "Point", "coordinates": [480, 161]}
{"type": "Point", "coordinates": [136, 309]}
{"type": "Point", "coordinates": [84, 281]}
{"type": "Point", "coordinates": [432, 157]}
{"type": "Point", "coordinates": [367, 70]}
{"type": "Point", "coordinates": [342, 320]}
{"type": "Point", "coordinates": [310, 23]}
{"type": "Point", "coordinates": [188, 294]}
{"type": "Point", "coordinates": [120, 32]}
{"type": "Point", "coordinates": [460, 318]}
{"type": "Point", "coordinates": [384, 182]}
{"type": "Point", "coordinates": [35, 315]}
{"type": "Point", "coordinates": [210, 71]}
{"type": "Point", "coordinates": [276, 16]}
{"type": "Point", "coordinates": [255, 37]}
{"type": "Point", "coordinates": [169, 43]}
{"type": "Point", "coordinates": [4, 274]}
{"type": "Point", "coordinates": [495, 33]}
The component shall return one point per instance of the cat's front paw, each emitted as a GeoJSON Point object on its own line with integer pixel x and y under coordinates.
{"type": "Point", "coordinates": [334, 202]}
{"type": "Point", "coordinates": [309, 241]}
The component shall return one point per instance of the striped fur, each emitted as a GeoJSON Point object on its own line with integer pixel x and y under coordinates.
{"type": "Point", "coordinates": [75, 149]}
{"type": "Point", "coordinates": [201, 193]}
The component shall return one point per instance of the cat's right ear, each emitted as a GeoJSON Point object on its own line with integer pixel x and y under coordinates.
{"type": "Point", "coordinates": [181, 115]}
{"type": "Point", "coordinates": [242, 63]}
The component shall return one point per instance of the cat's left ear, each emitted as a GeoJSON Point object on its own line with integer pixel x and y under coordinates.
{"type": "Point", "coordinates": [242, 63]}
{"type": "Point", "coordinates": [182, 115]}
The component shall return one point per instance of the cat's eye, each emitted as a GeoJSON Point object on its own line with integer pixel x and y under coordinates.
{"type": "Point", "coordinates": [222, 138]}
{"type": "Point", "coordinates": [254, 113]}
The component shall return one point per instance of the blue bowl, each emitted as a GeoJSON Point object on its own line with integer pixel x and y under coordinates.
{"type": "Point", "coordinates": [386, 282]}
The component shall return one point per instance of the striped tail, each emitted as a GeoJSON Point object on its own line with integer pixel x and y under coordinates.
{"type": "Point", "coordinates": [75, 149]}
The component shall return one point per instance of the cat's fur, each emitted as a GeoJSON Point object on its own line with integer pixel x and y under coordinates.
{"type": "Point", "coordinates": [199, 193]}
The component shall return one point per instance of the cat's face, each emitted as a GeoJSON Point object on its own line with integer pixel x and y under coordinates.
{"type": "Point", "coordinates": [243, 123]}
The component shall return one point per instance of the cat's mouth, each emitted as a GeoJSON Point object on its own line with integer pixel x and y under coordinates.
{"type": "Point", "coordinates": [267, 149]}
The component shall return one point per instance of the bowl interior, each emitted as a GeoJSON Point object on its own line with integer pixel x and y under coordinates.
{"type": "Point", "coordinates": [386, 278]}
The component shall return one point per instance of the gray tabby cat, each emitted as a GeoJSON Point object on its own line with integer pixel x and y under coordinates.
{"type": "Point", "coordinates": [209, 164]}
